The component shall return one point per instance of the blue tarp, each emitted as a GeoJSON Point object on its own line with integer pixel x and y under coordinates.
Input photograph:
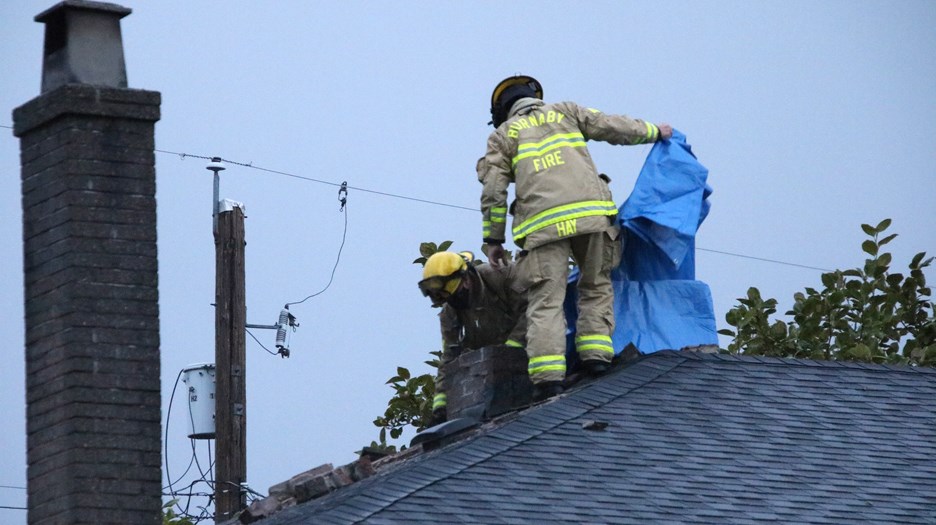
{"type": "Point", "coordinates": [658, 304]}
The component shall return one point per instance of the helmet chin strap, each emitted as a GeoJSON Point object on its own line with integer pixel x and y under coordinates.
{"type": "Point", "coordinates": [459, 299]}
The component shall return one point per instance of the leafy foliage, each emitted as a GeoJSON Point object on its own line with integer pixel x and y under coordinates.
{"type": "Point", "coordinates": [863, 314]}
{"type": "Point", "coordinates": [426, 249]}
{"type": "Point", "coordinates": [170, 517]}
{"type": "Point", "coordinates": [411, 403]}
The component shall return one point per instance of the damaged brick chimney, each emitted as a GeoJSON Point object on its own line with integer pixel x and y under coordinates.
{"type": "Point", "coordinates": [89, 244]}
{"type": "Point", "coordinates": [486, 382]}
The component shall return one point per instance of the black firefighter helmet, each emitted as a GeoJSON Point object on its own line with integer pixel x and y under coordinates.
{"type": "Point", "coordinates": [509, 91]}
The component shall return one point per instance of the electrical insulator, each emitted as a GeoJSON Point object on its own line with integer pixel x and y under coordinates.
{"type": "Point", "coordinates": [281, 328]}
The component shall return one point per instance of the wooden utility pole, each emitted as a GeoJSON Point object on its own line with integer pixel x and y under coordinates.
{"type": "Point", "coordinates": [230, 360]}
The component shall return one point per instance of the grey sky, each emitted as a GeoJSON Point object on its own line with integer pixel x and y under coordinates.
{"type": "Point", "coordinates": [812, 117]}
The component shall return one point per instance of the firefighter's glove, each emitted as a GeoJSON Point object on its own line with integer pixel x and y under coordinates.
{"type": "Point", "coordinates": [439, 416]}
{"type": "Point", "coordinates": [495, 254]}
{"type": "Point", "coordinates": [454, 350]}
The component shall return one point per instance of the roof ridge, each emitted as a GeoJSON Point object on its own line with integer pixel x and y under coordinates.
{"type": "Point", "coordinates": [788, 361]}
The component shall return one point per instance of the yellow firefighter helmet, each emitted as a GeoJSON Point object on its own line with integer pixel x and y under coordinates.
{"type": "Point", "coordinates": [442, 275]}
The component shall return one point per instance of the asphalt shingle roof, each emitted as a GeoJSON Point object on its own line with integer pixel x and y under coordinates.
{"type": "Point", "coordinates": [690, 438]}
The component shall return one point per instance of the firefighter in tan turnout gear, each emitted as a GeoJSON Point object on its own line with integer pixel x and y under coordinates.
{"type": "Point", "coordinates": [480, 307]}
{"type": "Point", "coordinates": [563, 208]}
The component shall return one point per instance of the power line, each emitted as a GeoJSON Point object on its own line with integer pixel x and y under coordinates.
{"type": "Point", "coordinates": [426, 201]}
{"type": "Point", "coordinates": [344, 235]}
{"type": "Point", "coordinates": [765, 260]}
{"type": "Point", "coordinates": [293, 175]}
{"type": "Point", "coordinates": [259, 343]}
{"type": "Point", "coordinates": [13, 508]}
{"type": "Point", "coordinates": [12, 487]}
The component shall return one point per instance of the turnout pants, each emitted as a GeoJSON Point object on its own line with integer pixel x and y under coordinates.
{"type": "Point", "coordinates": [545, 270]}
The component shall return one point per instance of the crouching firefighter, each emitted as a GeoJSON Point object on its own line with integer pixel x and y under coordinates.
{"type": "Point", "coordinates": [480, 307]}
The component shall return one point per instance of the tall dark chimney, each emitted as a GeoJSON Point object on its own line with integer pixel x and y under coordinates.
{"type": "Point", "coordinates": [92, 314]}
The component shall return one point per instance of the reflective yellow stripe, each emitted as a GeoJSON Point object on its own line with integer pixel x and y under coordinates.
{"type": "Point", "coordinates": [498, 214]}
{"type": "Point", "coordinates": [514, 344]}
{"type": "Point", "coordinates": [652, 133]}
{"type": "Point", "coordinates": [537, 149]}
{"type": "Point", "coordinates": [593, 110]}
{"type": "Point", "coordinates": [596, 337]}
{"type": "Point", "coordinates": [563, 213]}
{"type": "Point", "coordinates": [601, 343]}
{"type": "Point", "coordinates": [439, 401]}
{"type": "Point", "coordinates": [547, 363]}
{"type": "Point", "coordinates": [485, 229]}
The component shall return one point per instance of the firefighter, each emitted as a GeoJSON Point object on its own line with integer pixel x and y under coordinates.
{"type": "Point", "coordinates": [480, 307]}
{"type": "Point", "coordinates": [563, 209]}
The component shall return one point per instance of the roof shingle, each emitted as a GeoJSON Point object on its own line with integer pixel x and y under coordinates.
{"type": "Point", "coordinates": [690, 438]}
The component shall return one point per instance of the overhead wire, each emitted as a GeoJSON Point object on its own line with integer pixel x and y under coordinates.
{"type": "Point", "coordinates": [12, 487]}
{"type": "Point", "coordinates": [319, 181]}
{"type": "Point", "coordinates": [259, 343]}
{"type": "Point", "coordinates": [166, 439]}
{"type": "Point", "coordinates": [344, 235]}
{"type": "Point", "coordinates": [436, 203]}
{"type": "Point", "coordinates": [765, 260]}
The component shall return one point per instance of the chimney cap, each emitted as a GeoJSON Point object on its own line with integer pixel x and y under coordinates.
{"type": "Point", "coordinates": [83, 45]}
{"type": "Point", "coordinates": [88, 5]}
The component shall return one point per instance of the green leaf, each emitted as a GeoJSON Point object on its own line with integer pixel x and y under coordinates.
{"type": "Point", "coordinates": [869, 247]}
{"type": "Point", "coordinates": [779, 329]}
{"type": "Point", "coordinates": [884, 259]}
{"type": "Point", "coordinates": [725, 331]}
{"type": "Point", "coordinates": [915, 262]}
{"type": "Point", "coordinates": [829, 279]}
{"type": "Point", "coordinates": [426, 249]}
{"type": "Point", "coordinates": [868, 229]}
{"type": "Point", "coordinates": [732, 317]}
{"type": "Point", "coordinates": [887, 239]}
{"type": "Point", "coordinates": [403, 373]}
{"type": "Point", "coordinates": [880, 270]}
{"type": "Point", "coordinates": [420, 260]}
{"type": "Point", "coordinates": [883, 225]}
{"type": "Point", "coordinates": [445, 246]}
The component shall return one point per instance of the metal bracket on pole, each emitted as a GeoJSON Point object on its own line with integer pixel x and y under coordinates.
{"type": "Point", "coordinates": [216, 166]}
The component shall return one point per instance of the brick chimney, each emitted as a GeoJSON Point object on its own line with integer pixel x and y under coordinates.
{"type": "Point", "coordinates": [486, 382]}
{"type": "Point", "coordinates": [92, 315]}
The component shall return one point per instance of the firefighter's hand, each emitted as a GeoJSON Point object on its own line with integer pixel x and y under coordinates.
{"type": "Point", "coordinates": [666, 131]}
{"type": "Point", "coordinates": [495, 254]}
{"type": "Point", "coordinates": [439, 416]}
